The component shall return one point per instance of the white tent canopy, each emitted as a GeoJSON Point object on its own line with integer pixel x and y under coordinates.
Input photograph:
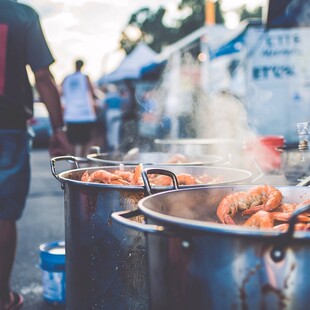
{"type": "Point", "coordinates": [130, 67]}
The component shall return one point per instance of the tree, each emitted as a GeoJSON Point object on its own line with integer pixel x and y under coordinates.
{"type": "Point", "coordinates": [246, 14]}
{"type": "Point", "coordinates": [155, 28]}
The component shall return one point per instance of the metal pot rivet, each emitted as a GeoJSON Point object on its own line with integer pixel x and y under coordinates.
{"type": "Point", "coordinates": [185, 244]}
{"type": "Point", "coordinates": [277, 255]}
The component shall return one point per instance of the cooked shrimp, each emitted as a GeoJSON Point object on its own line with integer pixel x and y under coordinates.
{"type": "Point", "coordinates": [261, 219]}
{"type": "Point", "coordinates": [137, 179]}
{"type": "Point", "coordinates": [85, 176]}
{"type": "Point", "coordinates": [162, 180]}
{"type": "Point", "coordinates": [265, 198]}
{"type": "Point", "coordinates": [125, 175]}
{"type": "Point", "coordinates": [178, 158]}
{"type": "Point", "coordinates": [230, 204]}
{"type": "Point", "coordinates": [183, 179]}
{"type": "Point", "coordinates": [261, 197]}
{"type": "Point", "coordinates": [103, 176]}
{"type": "Point", "coordinates": [119, 182]}
{"type": "Point", "coordinates": [207, 179]}
{"type": "Point", "coordinates": [288, 207]}
{"type": "Point", "coordinates": [186, 179]}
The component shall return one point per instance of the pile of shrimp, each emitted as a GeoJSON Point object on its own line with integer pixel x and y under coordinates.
{"type": "Point", "coordinates": [261, 207]}
{"type": "Point", "coordinates": [122, 177]}
{"type": "Point", "coordinates": [117, 177]}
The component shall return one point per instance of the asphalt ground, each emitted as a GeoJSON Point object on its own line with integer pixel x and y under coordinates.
{"type": "Point", "coordinates": [42, 221]}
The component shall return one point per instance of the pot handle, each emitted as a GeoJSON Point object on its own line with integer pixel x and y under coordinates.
{"type": "Point", "coordinates": [278, 252]}
{"type": "Point", "coordinates": [168, 173]}
{"type": "Point", "coordinates": [124, 218]}
{"type": "Point", "coordinates": [59, 158]}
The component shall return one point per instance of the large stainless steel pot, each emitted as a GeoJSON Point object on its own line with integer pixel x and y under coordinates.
{"type": "Point", "coordinates": [196, 263]}
{"type": "Point", "coordinates": [152, 158]}
{"type": "Point", "coordinates": [230, 150]}
{"type": "Point", "coordinates": [106, 263]}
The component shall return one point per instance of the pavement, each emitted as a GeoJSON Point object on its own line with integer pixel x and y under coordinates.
{"type": "Point", "coordinates": [42, 221]}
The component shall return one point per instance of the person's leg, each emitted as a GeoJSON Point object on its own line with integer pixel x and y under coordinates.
{"type": "Point", "coordinates": [8, 238]}
{"type": "Point", "coordinates": [71, 135]}
{"type": "Point", "coordinates": [14, 185]}
{"type": "Point", "coordinates": [87, 139]}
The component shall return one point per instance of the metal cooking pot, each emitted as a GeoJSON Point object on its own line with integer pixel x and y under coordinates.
{"type": "Point", "coordinates": [106, 263]}
{"type": "Point", "coordinates": [135, 157]}
{"type": "Point", "coordinates": [230, 150]}
{"type": "Point", "coordinates": [196, 263]}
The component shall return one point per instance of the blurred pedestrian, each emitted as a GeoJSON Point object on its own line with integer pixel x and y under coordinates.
{"type": "Point", "coordinates": [21, 43]}
{"type": "Point", "coordinates": [79, 108]}
{"type": "Point", "coordinates": [113, 105]}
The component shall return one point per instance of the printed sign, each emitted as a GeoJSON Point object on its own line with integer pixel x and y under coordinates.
{"type": "Point", "coordinates": [278, 80]}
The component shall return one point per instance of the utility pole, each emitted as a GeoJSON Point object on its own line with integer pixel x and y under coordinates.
{"type": "Point", "coordinates": [210, 12]}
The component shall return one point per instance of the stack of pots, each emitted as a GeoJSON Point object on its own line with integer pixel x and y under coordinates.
{"type": "Point", "coordinates": [106, 263]}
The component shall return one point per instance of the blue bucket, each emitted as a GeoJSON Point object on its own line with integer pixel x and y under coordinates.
{"type": "Point", "coordinates": [52, 263]}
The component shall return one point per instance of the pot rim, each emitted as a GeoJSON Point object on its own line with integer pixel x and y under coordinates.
{"type": "Point", "coordinates": [210, 227]}
{"type": "Point", "coordinates": [205, 160]}
{"type": "Point", "coordinates": [62, 176]}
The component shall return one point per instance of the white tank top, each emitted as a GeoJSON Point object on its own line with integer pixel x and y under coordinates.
{"type": "Point", "coordinates": [77, 99]}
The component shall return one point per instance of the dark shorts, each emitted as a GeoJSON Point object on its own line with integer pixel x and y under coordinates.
{"type": "Point", "coordinates": [14, 173]}
{"type": "Point", "coordinates": [79, 133]}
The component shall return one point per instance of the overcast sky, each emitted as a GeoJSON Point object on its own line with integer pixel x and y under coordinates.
{"type": "Point", "coordinates": [89, 29]}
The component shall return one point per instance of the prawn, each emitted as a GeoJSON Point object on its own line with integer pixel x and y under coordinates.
{"type": "Point", "coordinates": [262, 197]}
{"type": "Point", "coordinates": [265, 219]}
{"type": "Point", "coordinates": [261, 219]}
{"type": "Point", "coordinates": [230, 204]}
{"type": "Point", "coordinates": [183, 179]}
{"type": "Point", "coordinates": [265, 198]}
{"type": "Point", "coordinates": [161, 180]}
{"type": "Point", "coordinates": [136, 178]}
{"type": "Point", "coordinates": [186, 179]}
{"type": "Point", "coordinates": [85, 176]}
{"type": "Point", "coordinates": [125, 175]}
{"type": "Point", "coordinates": [103, 176]}
{"type": "Point", "coordinates": [177, 158]}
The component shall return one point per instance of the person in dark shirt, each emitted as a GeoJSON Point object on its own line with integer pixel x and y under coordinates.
{"type": "Point", "coordinates": [22, 43]}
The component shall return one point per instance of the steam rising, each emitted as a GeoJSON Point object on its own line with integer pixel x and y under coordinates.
{"type": "Point", "coordinates": [221, 116]}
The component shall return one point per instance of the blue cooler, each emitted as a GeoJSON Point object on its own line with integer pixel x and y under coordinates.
{"type": "Point", "coordinates": [52, 263]}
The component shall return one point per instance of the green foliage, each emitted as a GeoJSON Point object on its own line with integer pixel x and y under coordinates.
{"type": "Point", "coordinates": [246, 14]}
{"type": "Point", "coordinates": [154, 29]}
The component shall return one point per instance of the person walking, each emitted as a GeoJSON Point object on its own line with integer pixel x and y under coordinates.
{"type": "Point", "coordinates": [79, 107]}
{"type": "Point", "coordinates": [21, 43]}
